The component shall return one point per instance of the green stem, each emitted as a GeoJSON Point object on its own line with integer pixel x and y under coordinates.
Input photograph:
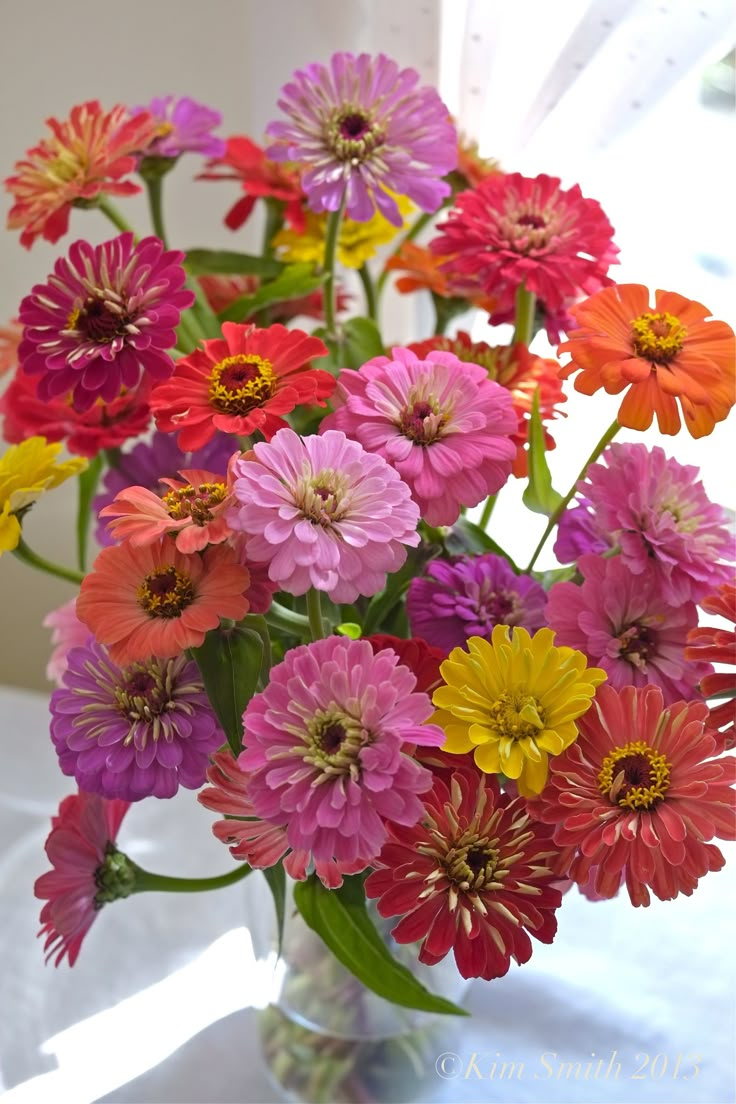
{"type": "Point", "coordinates": [274, 222]}
{"type": "Point", "coordinates": [331, 238]}
{"type": "Point", "coordinates": [314, 612]}
{"type": "Point", "coordinates": [605, 440]}
{"type": "Point", "coordinates": [279, 617]}
{"type": "Point", "coordinates": [110, 210]}
{"type": "Point", "coordinates": [414, 230]}
{"type": "Point", "coordinates": [154, 187]}
{"type": "Point", "coordinates": [258, 624]}
{"type": "Point", "coordinates": [485, 517]}
{"type": "Point", "coordinates": [145, 881]}
{"type": "Point", "coordinates": [524, 323]}
{"type": "Point", "coordinates": [189, 332]}
{"type": "Point", "coordinates": [371, 301]}
{"type": "Point", "coordinates": [28, 556]}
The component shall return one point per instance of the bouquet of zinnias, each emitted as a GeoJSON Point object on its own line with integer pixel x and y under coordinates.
{"type": "Point", "coordinates": [292, 612]}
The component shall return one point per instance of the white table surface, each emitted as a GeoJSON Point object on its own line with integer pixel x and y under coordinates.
{"type": "Point", "coordinates": [160, 1006]}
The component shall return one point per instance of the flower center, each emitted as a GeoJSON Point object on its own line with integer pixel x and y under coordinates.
{"type": "Point", "coordinates": [196, 503]}
{"type": "Point", "coordinates": [352, 135]}
{"type": "Point", "coordinates": [516, 715]}
{"type": "Point", "coordinates": [240, 383]}
{"type": "Point", "coordinates": [658, 337]}
{"type": "Point", "coordinates": [100, 319]}
{"type": "Point", "coordinates": [527, 229]}
{"type": "Point", "coordinates": [144, 693]}
{"type": "Point", "coordinates": [165, 593]}
{"type": "Point", "coordinates": [322, 497]}
{"type": "Point", "coordinates": [497, 607]}
{"type": "Point", "coordinates": [634, 776]}
{"type": "Point", "coordinates": [333, 743]}
{"type": "Point", "coordinates": [422, 421]}
{"type": "Point", "coordinates": [637, 643]}
{"type": "Point", "coordinates": [471, 861]}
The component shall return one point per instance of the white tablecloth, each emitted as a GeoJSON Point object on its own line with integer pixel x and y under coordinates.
{"type": "Point", "coordinates": [160, 1006]}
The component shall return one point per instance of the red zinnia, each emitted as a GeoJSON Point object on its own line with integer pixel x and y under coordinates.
{"type": "Point", "coordinates": [718, 645]}
{"type": "Point", "coordinates": [474, 876]}
{"type": "Point", "coordinates": [638, 794]}
{"type": "Point", "coordinates": [420, 657]}
{"type": "Point", "coordinates": [260, 179]}
{"type": "Point", "coordinates": [241, 384]}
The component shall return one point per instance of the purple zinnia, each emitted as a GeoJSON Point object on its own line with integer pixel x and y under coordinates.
{"type": "Point", "coordinates": [468, 596]}
{"type": "Point", "coordinates": [150, 462]}
{"type": "Point", "coordinates": [104, 319]}
{"type": "Point", "coordinates": [132, 732]}
{"type": "Point", "coordinates": [576, 534]}
{"type": "Point", "coordinates": [184, 126]}
{"type": "Point", "coordinates": [360, 127]}
{"type": "Point", "coordinates": [625, 624]}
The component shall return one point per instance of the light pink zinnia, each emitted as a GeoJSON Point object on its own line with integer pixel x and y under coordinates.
{"type": "Point", "coordinates": [440, 422]}
{"type": "Point", "coordinates": [67, 632]}
{"type": "Point", "coordinates": [323, 513]}
{"type": "Point", "coordinates": [324, 741]}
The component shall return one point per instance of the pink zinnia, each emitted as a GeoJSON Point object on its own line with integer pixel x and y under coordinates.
{"type": "Point", "coordinates": [323, 513]}
{"type": "Point", "coordinates": [67, 632]}
{"type": "Point", "coordinates": [104, 320]}
{"type": "Point", "coordinates": [442, 424]}
{"type": "Point", "coordinates": [656, 510]}
{"type": "Point", "coordinates": [514, 229]}
{"type": "Point", "coordinates": [86, 875]}
{"type": "Point", "coordinates": [183, 125]}
{"type": "Point", "coordinates": [625, 625]}
{"type": "Point", "coordinates": [639, 794]}
{"type": "Point", "coordinates": [324, 741]}
{"type": "Point", "coordinates": [361, 129]}
{"type": "Point", "coordinates": [717, 644]}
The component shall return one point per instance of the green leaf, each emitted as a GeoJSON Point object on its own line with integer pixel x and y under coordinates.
{"type": "Point", "coordinates": [397, 584]}
{"type": "Point", "coordinates": [465, 536]}
{"type": "Point", "coordinates": [361, 341]}
{"type": "Point", "coordinates": [349, 629]}
{"type": "Point", "coordinates": [292, 283]}
{"type": "Point", "coordinates": [276, 879]}
{"type": "Point", "coordinates": [340, 919]}
{"type": "Point", "coordinates": [87, 486]}
{"type": "Point", "coordinates": [229, 661]}
{"type": "Point", "coordinates": [539, 495]}
{"type": "Point", "coordinates": [202, 262]}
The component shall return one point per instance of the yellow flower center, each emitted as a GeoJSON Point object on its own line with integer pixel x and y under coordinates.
{"type": "Point", "coordinates": [352, 135]}
{"type": "Point", "coordinates": [164, 129]}
{"type": "Point", "coordinates": [166, 592]}
{"type": "Point", "coordinates": [240, 383]}
{"type": "Point", "coordinates": [196, 503]}
{"type": "Point", "coordinates": [517, 715]}
{"type": "Point", "coordinates": [634, 776]}
{"type": "Point", "coordinates": [658, 337]}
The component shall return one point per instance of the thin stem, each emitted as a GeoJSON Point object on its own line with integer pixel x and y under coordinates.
{"type": "Point", "coordinates": [414, 230]}
{"type": "Point", "coordinates": [154, 187]}
{"type": "Point", "coordinates": [605, 440]}
{"type": "Point", "coordinates": [333, 233]}
{"type": "Point", "coordinates": [524, 321]}
{"type": "Point", "coordinates": [110, 210]}
{"type": "Point", "coordinates": [145, 881]}
{"type": "Point", "coordinates": [314, 612]}
{"type": "Point", "coordinates": [371, 301]}
{"type": "Point", "coordinates": [485, 517]}
{"type": "Point", "coordinates": [188, 333]}
{"type": "Point", "coordinates": [279, 617]}
{"type": "Point", "coordinates": [28, 556]}
{"type": "Point", "coordinates": [274, 222]}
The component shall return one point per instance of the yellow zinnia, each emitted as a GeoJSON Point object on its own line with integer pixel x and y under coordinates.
{"type": "Point", "coordinates": [514, 701]}
{"type": "Point", "coordinates": [26, 471]}
{"type": "Point", "coordinates": [357, 243]}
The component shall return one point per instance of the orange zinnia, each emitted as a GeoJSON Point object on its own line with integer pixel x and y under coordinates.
{"type": "Point", "coordinates": [423, 273]}
{"type": "Point", "coordinates": [663, 355]}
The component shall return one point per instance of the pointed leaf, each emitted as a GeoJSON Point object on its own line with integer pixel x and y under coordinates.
{"type": "Point", "coordinates": [202, 262]}
{"type": "Point", "coordinates": [230, 663]}
{"type": "Point", "coordinates": [293, 282]}
{"type": "Point", "coordinates": [361, 341]}
{"type": "Point", "coordinates": [87, 487]}
{"type": "Point", "coordinates": [276, 879]}
{"type": "Point", "coordinates": [539, 494]}
{"type": "Point", "coordinates": [465, 536]}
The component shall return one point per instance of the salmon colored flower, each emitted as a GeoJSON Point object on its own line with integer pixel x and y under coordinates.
{"type": "Point", "coordinates": [259, 178]}
{"type": "Point", "coordinates": [423, 273]}
{"type": "Point", "coordinates": [672, 352]}
{"type": "Point", "coordinates": [155, 601]}
{"type": "Point", "coordinates": [86, 156]}
{"type": "Point", "coordinates": [10, 336]}
{"type": "Point", "coordinates": [243, 382]}
{"type": "Point", "coordinates": [718, 645]}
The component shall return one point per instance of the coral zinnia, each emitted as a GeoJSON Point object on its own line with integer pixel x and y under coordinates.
{"type": "Point", "coordinates": [640, 794]}
{"type": "Point", "coordinates": [468, 596]}
{"type": "Point", "coordinates": [323, 513]}
{"type": "Point", "coordinates": [443, 425]}
{"type": "Point", "coordinates": [514, 229]}
{"type": "Point", "coordinates": [361, 129]}
{"type": "Point", "coordinates": [514, 701]}
{"type": "Point", "coordinates": [86, 157]}
{"type": "Point", "coordinates": [182, 126]}
{"type": "Point", "coordinates": [663, 354]}
{"type": "Point", "coordinates": [132, 732]}
{"type": "Point", "coordinates": [155, 601]}
{"type": "Point", "coordinates": [324, 744]}
{"type": "Point", "coordinates": [243, 382]}
{"type": "Point", "coordinates": [260, 178]}
{"type": "Point", "coordinates": [104, 319]}
{"type": "Point", "coordinates": [718, 645]}
{"type": "Point", "coordinates": [623, 623]}
{"type": "Point", "coordinates": [10, 336]}
{"type": "Point", "coordinates": [88, 871]}
{"type": "Point", "coordinates": [474, 876]}
{"type": "Point", "coordinates": [26, 471]}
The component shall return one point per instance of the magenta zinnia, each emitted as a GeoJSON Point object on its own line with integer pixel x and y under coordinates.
{"type": "Point", "coordinates": [104, 319]}
{"type": "Point", "coordinates": [362, 129]}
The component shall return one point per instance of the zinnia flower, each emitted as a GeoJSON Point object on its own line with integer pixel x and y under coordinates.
{"type": "Point", "coordinates": [26, 471]}
{"type": "Point", "coordinates": [673, 352]}
{"type": "Point", "coordinates": [136, 731]}
{"type": "Point", "coordinates": [104, 319]}
{"type": "Point", "coordinates": [657, 512]}
{"type": "Point", "coordinates": [357, 242]}
{"type": "Point", "coordinates": [640, 795]}
{"type": "Point", "coordinates": [363, 129]}
{"type": "Point", "coordinates": [420, 657]}
{"type": "Point", "coordinates": [243, 382]}
{"type": "Point", "coordinates": [182, 126]}
{"type": "Point", "coordinates": [10, 336]}
{"type": "Point", "coordinates": [718, 645]}
{"type": "Point", "coordinates": [323, 513]}
{"type": "Point", "coordinates": [577, 534]}
{"type": "Point", "coordinates": [86, 157]}
{"type": "Point", "coordinates": [514, 701]}
{"type": "Point", "coordinates": [259, 178]}
{"type": "Point", "coordinates": [442, 424]}
{"type": "Point", "coordinates": [514, 230]}
{"type": "Point", "coordinates": [468, 596]}
{"type": "Point", "coordinates": [155, 601]}
{"type": "Point", "coordinates": [67, 632]}
{"type": "Point", "coordinates": [88, 872]}
{"type": "Point", "coordinates": [474, 876]}
{"type": "Point", "coordinates": [520, 372]}
{"type": "Point", "coordinates": [623, 623]}
{"type": "Point", "coordinates": [324, 742]}
{"type": "Point", "coordinates": [223, 291]}
{"type": "Point", "coordinates": [424, 272]}
{"type": "Point", "coordinates": [472, 169]}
